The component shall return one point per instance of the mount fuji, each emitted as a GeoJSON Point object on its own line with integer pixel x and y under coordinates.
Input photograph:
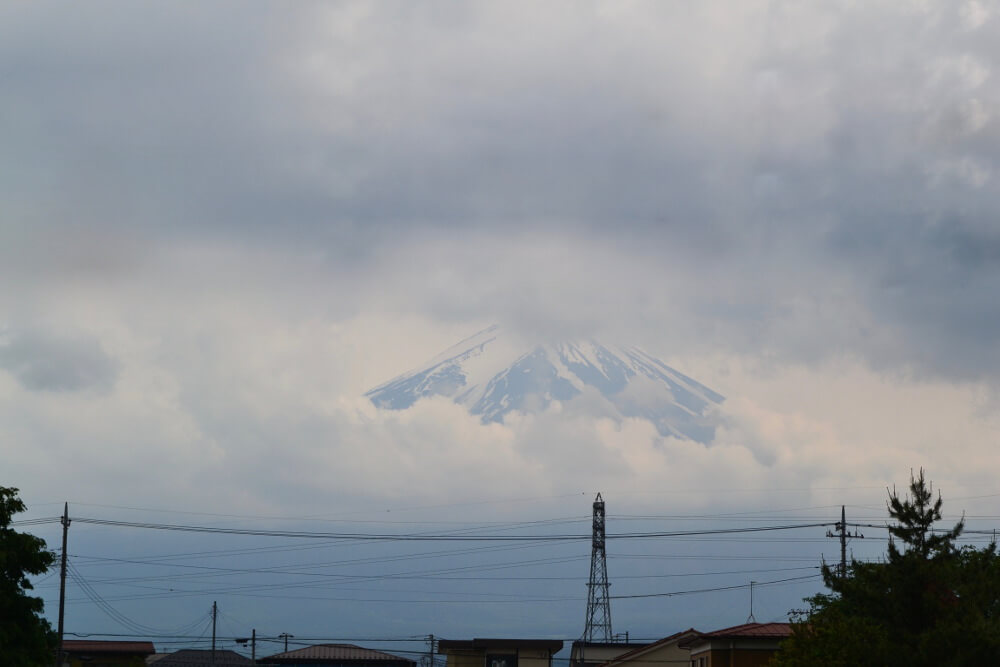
{"type": "Point", "coordinates": [493, 375]}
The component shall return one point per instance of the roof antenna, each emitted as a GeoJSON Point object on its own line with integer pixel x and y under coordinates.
{"type": "Point", "coordinates": [750, 618]}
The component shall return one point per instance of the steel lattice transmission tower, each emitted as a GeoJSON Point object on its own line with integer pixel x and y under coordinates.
{"type": "Point", "coordinates": [598, 627]}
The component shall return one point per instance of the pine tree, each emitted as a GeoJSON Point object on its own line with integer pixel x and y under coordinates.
{"type": "Point", "coordinates": [915, 517]}
{"type": "Point", "coordinates": [26, 639]}
{"type": "Point", "coordinates": [927, 603]}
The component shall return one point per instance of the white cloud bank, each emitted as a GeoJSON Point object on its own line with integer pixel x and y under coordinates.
{"type": "Point", "coordinates": [243, 408]}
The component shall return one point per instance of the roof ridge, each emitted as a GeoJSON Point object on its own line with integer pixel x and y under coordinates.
{"type": "Point", "coordinates": [649, 647]}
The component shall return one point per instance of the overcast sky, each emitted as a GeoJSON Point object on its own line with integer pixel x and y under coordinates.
{"type": "Point", "coordinates": [222, 223]}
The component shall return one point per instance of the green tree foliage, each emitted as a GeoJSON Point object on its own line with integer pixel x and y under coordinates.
{"type": "Point", "coordinates": [927, 603]}
{"type": "Point", "coordinates": [26, 639]}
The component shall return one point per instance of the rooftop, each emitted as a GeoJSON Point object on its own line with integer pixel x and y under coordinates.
{"type": "Point", "coordinates": [770, 630]}
{"type": "Point", "coordinates": [202, 658]}
{"type": "Point", "coordinates": [480, 643]}
{"type": "Point", "coordinates": [675, 638]}
{"type": "Point", "coordinates": [101, 646]}
{"type": "Point", "coordinates": [338, 652]}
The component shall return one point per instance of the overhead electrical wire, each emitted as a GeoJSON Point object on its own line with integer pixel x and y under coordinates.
{"type": "Point", "coordinates": [616, 557]}
{"type": "Point", "coordinates": [577, 598]}
{"type": "Point", "coordinates": [493, 533]}
{"type": "Point", "coordinates": [312, 584]}
{"type": "Point", "coordinates": [756, 584]}
{"type": "Point", "coordinates": [210, 571]}
{"type": "Point", "coordinates": [425, 537]}
{"type": "Point", "coordinates": [116, 615]}
{"type": "Point", "coordinates": [36, 522]}
{"type": "Point", "coordinates": [885, 526]}
{"type": "Point", "coordinates": [298, 546]}
{"type": "Point", "coordinates": [340, 580]}
{"type": "Point", "coordinates": [322, 517]}
{"type": "Point", "coordinates": [353, 561]}
{"type": "Point", "coordinates": [429, 577]}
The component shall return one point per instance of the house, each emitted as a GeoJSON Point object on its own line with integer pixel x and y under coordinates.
{"type": "Point", "coordinates": [190, 657]}
{"type": "Point", "coordinates": [98, 653]}
{"type": "Point", "coordinates": [747, 645]}
{"type": "Point", "coordinates": [336, 655]}
{"type": "Point", "coordinates": [499, 652]}
{"type": "Point", "coordinates": [662, 653]}
{"type": "Point", "coordinates": [592, 654]}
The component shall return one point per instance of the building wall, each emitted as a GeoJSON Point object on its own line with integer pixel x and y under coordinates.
{"type": "Point", "coordinates": [287, 662]}
{"type": "Point", "coordinates": [477, 658]}
{"type": "Point", "coordinates": [533, 658]}
{"type": "Point", "coordinates": [665, 655]}
{"type": "Point", "coordinates": [739, 657]}
{"type": "Point", "coordinates": [98, 660]}
{"type": "Point", "coordinates": [466, 659]}
{"type": "Point", "coordinates": [600, 654]}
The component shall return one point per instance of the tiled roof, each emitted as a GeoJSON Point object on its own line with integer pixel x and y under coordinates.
{"type": "Point", "coordinates": [202, 658]}
{"type": "Point", "coordinates": [628, 645]}
{"type": "Point", "coordinates": [754, 630]}
{"type": "Point", "coordinates": [480, 643]}
{"type": "Point", "coordinates": [339, 652]}
{"type": "Point", "coordinates": [676, 637]}
{"type": "Point", "coordinates": [99, 646]}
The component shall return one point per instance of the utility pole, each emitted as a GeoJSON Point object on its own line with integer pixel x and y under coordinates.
{"type": "Point", "coordinates": [430, 651]}
{"type": "Point", "coordinates": [252, 639]}
{"type": "Point", "coordinates": [841, 528]}
{"type": "Point", "coordinates": [843, 541]}
{"type": "Point", "coordinates": [62, 582]}
{"type": "Point", "coordinates": [215, 613]}
{"type": "Point", "coordinates": [285, 636]}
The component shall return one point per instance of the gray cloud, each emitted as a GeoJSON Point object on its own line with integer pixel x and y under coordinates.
{"type": "Point", "coordinates": [266, 209]}
{"type": "Point", "coordinates": [817, 180]}
{"type": "Point", "coordinates": [42, 362]}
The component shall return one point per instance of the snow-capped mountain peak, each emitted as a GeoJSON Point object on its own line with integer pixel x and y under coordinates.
{"type": "Point", "coordinates": [493, 376]}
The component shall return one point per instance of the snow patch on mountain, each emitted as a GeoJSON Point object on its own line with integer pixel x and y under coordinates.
{"type": "Point", "coordinates": [493, 375]}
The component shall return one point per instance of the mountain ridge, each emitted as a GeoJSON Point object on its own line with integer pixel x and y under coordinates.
{"type": "Point", "coordinates": [492, 377]}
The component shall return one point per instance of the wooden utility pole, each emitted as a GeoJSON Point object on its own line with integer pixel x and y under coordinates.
{"type": "Point", "coordinates": [62, 582]}
{"type": "Point", "coordinates": [843, 541]}
{"type": "Point", "coordinates": [215, 612]}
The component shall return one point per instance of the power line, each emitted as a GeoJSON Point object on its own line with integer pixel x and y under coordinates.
{"type": "Point", "coordinates": [713, 590]}
{"type": "Point", "coordinates": [162, 560]}
{"type": "Point", "coordinates": [311, 584]}
{"type": "Point", "coordinates": [320, 517]}
{"type": "Point", "coordinates": [425, 537]}
{"type": "Point", "coordinates": [113, 613]}
{"type": "Point", "coordinates": [36, 522]}
{"type": "Point", "coordinates": [389, 576]}
{"type": "Point", "coordinates": [492, 533]}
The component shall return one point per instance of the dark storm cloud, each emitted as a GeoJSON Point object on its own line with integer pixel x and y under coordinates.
{"type": "Point", "coordinates": [42, 362]}
{"type": "Point", "coordinates": [160, 120]}
{"type": "Point", "coordinates": [199, 120]}
{"type": "Point", "coordinates": [784, 155]}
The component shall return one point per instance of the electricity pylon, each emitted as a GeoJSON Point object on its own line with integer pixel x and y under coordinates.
{"type": "Point", "coordinates": [598, 628]}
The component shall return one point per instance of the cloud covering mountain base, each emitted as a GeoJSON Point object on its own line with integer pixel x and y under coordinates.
{"type": "Point", "coordinates": [264, 414]}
